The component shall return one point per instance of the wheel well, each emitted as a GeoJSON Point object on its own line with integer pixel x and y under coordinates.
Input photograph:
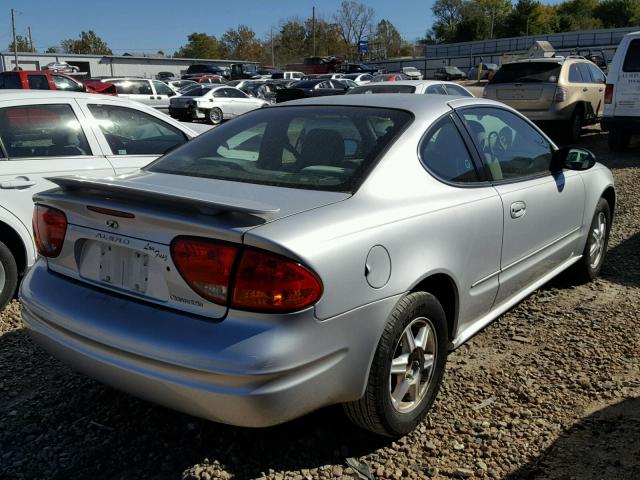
{"type": "Point", "coordinates": [444, 289]}
{"type": "Point", "coordinates": [14, 243]}
{"type": "Point", "coordinates": [610, 196]}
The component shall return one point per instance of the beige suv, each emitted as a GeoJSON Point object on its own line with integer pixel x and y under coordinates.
{"type": "Point", "coordinates": [568, 90]}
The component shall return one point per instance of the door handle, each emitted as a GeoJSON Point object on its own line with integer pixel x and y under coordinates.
{"type": "Point", "coordinates": [518, 209]}
{"type": "Point", "coordinates": [152, 97]}
{"type": "Point", "coordinates": [18, 182]}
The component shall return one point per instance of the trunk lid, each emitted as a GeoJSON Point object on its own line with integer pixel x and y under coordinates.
{"type": "Point", "coordinates": [120, 229]}
{"type": "Point", "coordinates": [524, 96]}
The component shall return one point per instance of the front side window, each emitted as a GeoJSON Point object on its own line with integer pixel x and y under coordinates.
{"type": "Point", "coordinates": [42, 131]}
{"type": "Point", "coordinates": [38, 82]}
{"type": "Point", "coordinates": [11, 80]}
{"type": "Point", "coordinates": [632, 58]}
{"type": "Point", "coordinates": [445, 155]}
{"type": "Point", "coordinates": [162, 88]}
{"type": "Point", "coordinates": [64, 83]}
{"type": "Point", "coordinates": [511, 147]}
{"type": "Point", "coordinates": [310, 147]}
{"type": "Point", "coordinates": [131, 132]}
{"type": "Point", "coordinates": [234, 93]}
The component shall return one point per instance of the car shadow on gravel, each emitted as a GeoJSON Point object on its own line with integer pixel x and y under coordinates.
{"type": "Point", "coordinates": [56, 423]}
{"type": "Point", "coordinates": [603, 445]}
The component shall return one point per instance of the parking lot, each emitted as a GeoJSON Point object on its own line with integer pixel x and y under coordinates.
{"type": "Point", "coordinates": [550, 390]}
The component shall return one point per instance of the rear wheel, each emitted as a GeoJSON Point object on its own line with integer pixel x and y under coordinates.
{"type": "Point", "coordinates": [407, 368]}
{"type": "Point", "coordinates": [8, 275]}
{"type": "Point", "coordinates": [589, 266]}
{"type": "Point", "coordinates": [618, 141]}
{"type": "Point", "coordinates": [215, 116]}
{"type": "Point", "coordinates": [574, 127]}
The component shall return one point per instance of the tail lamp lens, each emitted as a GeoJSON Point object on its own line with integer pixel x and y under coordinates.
{"type": "Point", "coordinates": [269, 282]}
{"type": "Point", "coordinates": [261, 281]}
{"type": "Point", "coordinates": [49, 228]}
{"type": "Point", "coordinates": [205, 265]}
{"type": "Point", "coordinates": [561, 95]}
{"type": "Point", "coordinates": [608, 93]}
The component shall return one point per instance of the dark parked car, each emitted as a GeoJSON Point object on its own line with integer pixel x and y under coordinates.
{"type": "Point", "coordinates": [311, 88]}
{"type": "Point", "coordinates": [449, 73]}
{"type": "Point", "coordinates": [199, 70]}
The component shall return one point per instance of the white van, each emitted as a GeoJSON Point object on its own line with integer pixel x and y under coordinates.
{"type": "Point", "coordinates": [622, 94]}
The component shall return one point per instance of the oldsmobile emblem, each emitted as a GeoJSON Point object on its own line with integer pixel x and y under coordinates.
{"type": "Point", "coordinates": [112, 224]}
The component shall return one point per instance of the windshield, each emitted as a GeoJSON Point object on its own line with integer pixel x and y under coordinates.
{"type": "Point", "coordinates": [308, 147]}
{"type": "Point", "coordinates": [527, 72]}
{"type": "Point", "coordinates": [383, 89]}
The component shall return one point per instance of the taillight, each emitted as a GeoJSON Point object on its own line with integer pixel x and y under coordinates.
{"type": "Point", "coordinates": [269, 282]}
{"type": "Point", "coordinates": [261, 281]}
{"type": "Point", "coordinates": [561, 95]}
{"type": "Point", "coordinates": [49, 228]}
{"type": "Point", "coordinates": [205, 265]}
{"type": "Point", "coordinates": [608, 93]}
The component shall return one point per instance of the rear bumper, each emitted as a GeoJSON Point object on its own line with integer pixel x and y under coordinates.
{"type": "Point", "coordinates": [623, 124]}
{"type": "Point", "coordinates": [248, 370]}
{"type": "Point", "coordinates": [186, 113]}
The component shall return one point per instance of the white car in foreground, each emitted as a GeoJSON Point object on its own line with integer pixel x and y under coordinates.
{"type": "Point", "coordinates": [46, 134]}
{"type": "Point", "coordinates": [213, 103]}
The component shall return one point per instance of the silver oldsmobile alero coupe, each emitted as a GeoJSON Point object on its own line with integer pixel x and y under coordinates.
{"type": "Point", "coordinates": [329, 250]}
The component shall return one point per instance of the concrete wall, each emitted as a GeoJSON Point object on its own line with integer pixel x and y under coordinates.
{"type": "Point", "coordinates": [101, 66]}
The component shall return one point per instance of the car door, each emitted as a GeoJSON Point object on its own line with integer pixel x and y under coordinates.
{"type": "Point", "coordinates": [542, 211]}
{"type": "Point", "coordinates": [241, 102]}
{"type": "Point", "coordinates": [163, 94]}
{"type": "Point", "coordinates": [599, 80]}
{"type": "Point", "coordinates": [137, 90]}
{"type": "Point", "coordinates": [132, 138]}
{"type": "Point", "coordinates": [44, 139]}
{"type": "Point", "coordinates": [594, 99]}
{"type": "Point", "coordinates": [225, 103]}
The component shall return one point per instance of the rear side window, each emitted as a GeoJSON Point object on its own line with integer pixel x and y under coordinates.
{"type": "Point", "coordinates": [131, 132]}
{"type": "Point", "coordinates": [597, 74]}
{"type": "Point", "coordinates": [456, 90]}
{"type": "Point", "coordinates": [528, 72]}
{"type": "Point", "coordinates": [38, 82]}
{"type": "Point", "coordinates": [585, 72]}
{"type": "Point", "coordinates": [133, 87]}
{"type": "Point", "coordinates": [632, 58]}
{"type": "Point", "coordinates": [11, 80]}
{"type": "Point", "coordinates": [575, 75]}
{"type": "Point", "coordinates": [445, 155]}
{"type": "Point", "coordinates": [310, 147]}
{"type": "Point", "coordinates": [42, 131]}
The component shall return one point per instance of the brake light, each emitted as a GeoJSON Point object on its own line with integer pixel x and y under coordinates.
{"type": "Point", "coordinates": [49, 228]}
{"type": "Point", "coordinates": [608, 93]}
{"type": "Point", "coordinates": [561, 95]}
{"type": "Point", "coordinates": [205, 265]}
{"type": "Point", "coordinates": [269, 282]}
{"type": "Point", "coordinates": [261, 281]}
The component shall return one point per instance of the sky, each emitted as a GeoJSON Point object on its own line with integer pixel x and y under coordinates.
{"type": "Point", "coordinates": [144, 26]}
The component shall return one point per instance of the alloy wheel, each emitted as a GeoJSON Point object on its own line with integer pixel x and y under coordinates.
{"type": "Point", "coordinates": [598, 239]}
{"type": "Point", "coordinates": [412, 365]}
{"type": "Point", "coordinates": [3, 277]}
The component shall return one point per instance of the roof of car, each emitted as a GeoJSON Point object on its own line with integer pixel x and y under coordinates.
{"type": "Point", "coordinates": [11, 94]}
{"type": "Point", "coordinates": [419, 105]}
{"type": "Point", "coordinates": [413, 83]}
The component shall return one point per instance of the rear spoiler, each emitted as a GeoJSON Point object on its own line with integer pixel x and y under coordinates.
{"type": "Point", "coordinates": [155, 194]}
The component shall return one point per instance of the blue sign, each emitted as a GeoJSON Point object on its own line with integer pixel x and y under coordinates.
{"type": "Point", "coordinates": [363, 46]}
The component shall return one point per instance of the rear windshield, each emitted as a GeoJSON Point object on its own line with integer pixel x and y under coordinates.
{"type": "Point", "coordinates": [528, 72]}
{"type": "Point", "coordinates": [383, 89]}
{"type": "Point", "coordinates": [632, 59]}
{"type": "Point", "coordinates": [308, 147]}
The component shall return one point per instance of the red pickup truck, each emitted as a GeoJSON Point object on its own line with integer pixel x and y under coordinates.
{"type": "Point", "coordinates": [51, 80]}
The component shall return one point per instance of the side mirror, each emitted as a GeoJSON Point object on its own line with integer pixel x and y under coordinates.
{"type": "Point", "coordinates": [572, 158]}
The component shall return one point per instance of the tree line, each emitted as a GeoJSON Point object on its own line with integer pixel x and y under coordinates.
{"type": "Point", "coordinates": [466, 20]}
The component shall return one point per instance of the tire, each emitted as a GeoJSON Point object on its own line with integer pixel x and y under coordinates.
{"type": "Point", "coordinates": [574, 127]}
{"type": "Point", "coordinates": [618, 141]}
{"type": "Point", "coordinates": [215, 116]}
{"type": "Point", "coordinates": [589, 266]}
{"type": "Point", "coordinates": [8, 275]}
{"type": "Point", "coordinates": [376, 411]}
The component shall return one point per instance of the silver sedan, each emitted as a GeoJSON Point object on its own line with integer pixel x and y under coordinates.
{"type": "Point", "coordinates": [329, 250]}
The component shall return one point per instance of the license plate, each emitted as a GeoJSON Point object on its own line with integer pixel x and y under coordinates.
{"type": "Point", "coordinates": [123, 267]}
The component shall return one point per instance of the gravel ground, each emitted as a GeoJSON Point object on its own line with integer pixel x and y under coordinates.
{"type": "Point", "coordinates": [550, 390]}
